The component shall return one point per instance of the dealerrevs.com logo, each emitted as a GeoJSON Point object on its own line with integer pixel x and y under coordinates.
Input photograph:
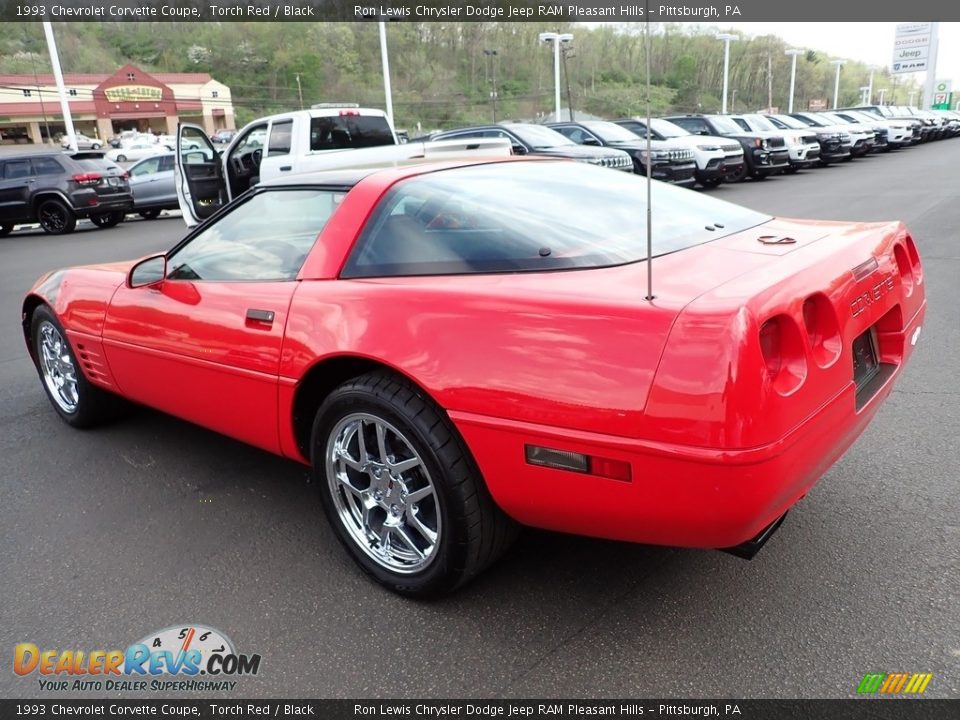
{"type": "Point", "coordinates": [182, 657]}
{"type": "Point", "coordinates": [894, 683]}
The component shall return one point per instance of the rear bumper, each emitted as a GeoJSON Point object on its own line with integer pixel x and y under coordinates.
{"type": "Point", "coordinates": [679, 495]}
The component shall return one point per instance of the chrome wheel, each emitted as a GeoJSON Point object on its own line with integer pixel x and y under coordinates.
{"type": "Point", "coordinates": [383, 493]}
{"type": "Point", "coordinates": [56, 365]}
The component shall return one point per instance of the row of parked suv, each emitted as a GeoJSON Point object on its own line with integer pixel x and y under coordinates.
{"type": "Point", "coordinates": [710, 149]}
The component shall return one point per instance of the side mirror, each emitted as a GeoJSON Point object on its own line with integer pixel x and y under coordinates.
{"type": "Point", "coordinates": [591, 141]}
{"type": "Point", "coordinates": [518, 149]}
{"type": "Point", "coordinates": [148, 271]}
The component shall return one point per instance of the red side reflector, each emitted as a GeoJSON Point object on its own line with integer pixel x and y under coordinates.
{"type": "Point", "coordinates": [578, 463]}
{"type": "Point", "coordinates": [613, 469]}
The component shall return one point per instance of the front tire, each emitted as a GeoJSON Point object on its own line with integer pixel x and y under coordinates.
{"type": "Point", "coordinates": [149, 214]}
{"type": "Point", "coordinates": [121, 158]}
{"type": "Point", "coordinates": [107, 221]}
{"type": "Point", "coordinates": [401, 490]}
{"type": "Point", "coordinates": [5, 230]}
{"type": "Point", "coordinates": [737, 175]}
{"type": "Point", "coordinates": [56, 218]}
{"type": "Point", "coordinates": [78, 402]}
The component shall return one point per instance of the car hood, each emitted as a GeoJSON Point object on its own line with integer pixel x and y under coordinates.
{"type": "Point", "coordinates": [695, 140]}
{"type": "Point", "coordinates": [577, 152]}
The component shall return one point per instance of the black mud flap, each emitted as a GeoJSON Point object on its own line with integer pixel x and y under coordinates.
{"type": "Point", "coordinates": [748, 549]}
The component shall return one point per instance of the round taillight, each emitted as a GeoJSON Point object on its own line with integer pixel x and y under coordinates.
{"type": "Point", "coordinates": [914, 256]}
{"type": "Point", "coordinates": [823, 330]}
{"type": "Point", "coordinates": [905, 268]}
{"type": "Point", "coordinates": [784, 354]}
{"type": "Point", "coordinates": [770, 346]}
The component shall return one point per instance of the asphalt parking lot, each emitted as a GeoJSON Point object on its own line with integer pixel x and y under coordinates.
{"type": "Point", "coordinates": [110, 534]}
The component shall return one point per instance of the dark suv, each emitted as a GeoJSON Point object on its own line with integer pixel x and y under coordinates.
{"type": "Point", "coordinates": [528, 139]}
{"type": "Point", "coordinates": [56, 189]}
{"type": "Point", "coordinates": [763, 156]}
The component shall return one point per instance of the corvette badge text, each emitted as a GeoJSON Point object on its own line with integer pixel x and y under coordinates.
{"type": "Point", "coordinates": [169, 660]}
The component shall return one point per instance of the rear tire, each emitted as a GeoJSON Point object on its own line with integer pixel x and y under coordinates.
{"type": "Point", "coordinates": [56, 218]}
{"type": "Point", "coordinates": [149, 214]}
{"type": "Point", "coordinates": [711, 183]}
{"type": "Point", "coordinates": [107, 221]}
{"type": "Point", "coordinates": [408, 502]}
{"type": "Point", "coordinates": [79, 403]}
{"type": "Point", "coordinates": [95, 146]}
{"type": "Point", "coordinates": [121, 158]}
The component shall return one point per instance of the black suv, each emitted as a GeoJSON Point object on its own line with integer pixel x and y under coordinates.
{"type": "Point", "coordinates": [55, 189]}
{"type": "Point", "coordinates": [763, 156]}
{"type": "Point", "coordinates": [529, 139]}
{"type": "Point", "coordinates": [670, 163]}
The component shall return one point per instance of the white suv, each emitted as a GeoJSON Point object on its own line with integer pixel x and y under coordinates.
{"type": "Point", "coordinates": [803, 146]}
{"type": "Point", "coordinates": [715, 156]}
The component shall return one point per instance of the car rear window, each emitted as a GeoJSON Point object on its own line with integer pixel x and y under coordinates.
{"type": "Point", "coordinates": [522, 217]}
{"type": "Point", "coordinates": [343, 132]}
{"type": "Point", "coordinates": [98, 165]}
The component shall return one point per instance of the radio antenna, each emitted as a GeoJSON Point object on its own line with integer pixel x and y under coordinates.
{"type": "Point", "coordinates": [646, 53]}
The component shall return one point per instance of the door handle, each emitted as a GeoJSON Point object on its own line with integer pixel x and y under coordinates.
{"type": "Point", "coordinates": [264, 317]}
{"type": "Point", "coordinates": [286, 168]}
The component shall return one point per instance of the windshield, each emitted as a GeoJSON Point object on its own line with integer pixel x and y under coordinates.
{"type": "Point", "coordinates": [759, 122]}
{"type": "Point", "coordinates": [725, 125]}
{"type": "Point", "coordinates": [667, 128]}
{"type": "Point", "coordinates": [539, 137]}
{"type": "Point", "coordinates": [610, 133]}
{"type": "Point", "coordinates": [838, 119]}
{"type": "Point", "coordinates": [532, 216]}
{"type": "Point", "coordinates": [790, 122]}
{"type": "Point", "coordinates": [812, 121]}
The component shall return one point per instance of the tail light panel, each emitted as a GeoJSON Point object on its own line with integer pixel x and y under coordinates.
{"type": "Point", "coordinates": [823, 330]}
{"type": "Point", "coordinates": [784, 355]}
{"type": "Point", "coordinates": [87, 179]}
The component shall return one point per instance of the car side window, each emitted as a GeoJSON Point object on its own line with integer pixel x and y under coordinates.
{"type": "Point", "coordinates": [266, 238]}
{"type": "Point", "coordinates": [147, 167]}
{"type": "Point", "coordinates": [280, 135]}
{"type": "Point", "coordinates": [166, 163]}
{"type": "Point", "coordinates": [46, 166]}
{"type": "Point", "coordinates": [569, 132]}
{"type": "Point", "coordinates": [742, 123]}
{"type": "Point", "coordinates": [14, 169]}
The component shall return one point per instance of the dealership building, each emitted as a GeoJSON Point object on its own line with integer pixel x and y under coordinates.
{"type": "Point", "coordinates": [103, 105]}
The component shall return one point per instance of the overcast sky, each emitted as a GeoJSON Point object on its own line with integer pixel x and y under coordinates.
{"type": "Point", "coordinates": [870, 42]}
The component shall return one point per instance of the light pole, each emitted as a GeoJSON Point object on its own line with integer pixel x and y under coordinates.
{"type": "Point", "coordinates": [556, 39]}
{"type": "Point", "coordinates": [913, 94]}
{"type": "Point", "coordinates": [882, 91]}
{"type": "Point", "coordinates": [864, 90]}
{"type": "Point", "coordinates": [870, 88]}
{"type": "Point", "coordinates": [726, 37]}
{"type": "Point", "coordinates": [492, 56]}
{"type": "Point", "coordinates": [836, 82]}
{"type": "Point", "coordinates": [385, 61]}
{"type": "Point", "coordinates": [793, 74]}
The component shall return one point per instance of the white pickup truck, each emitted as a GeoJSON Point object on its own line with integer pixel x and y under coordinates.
{"type": "Point", "coordinates": [324, 137]}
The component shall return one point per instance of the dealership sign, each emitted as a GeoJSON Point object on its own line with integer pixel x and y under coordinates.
{"type": "Point", "coordinates": [911, 48]}
{"type": "Point", "coordinates": [133, 93]}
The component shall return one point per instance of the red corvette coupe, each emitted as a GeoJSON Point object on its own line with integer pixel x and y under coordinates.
{"type": "Point", "coordinates": [459, 349]}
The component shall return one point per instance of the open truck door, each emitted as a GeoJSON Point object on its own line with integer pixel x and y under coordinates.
{"type": "Point", "coordinates": [198, 175]}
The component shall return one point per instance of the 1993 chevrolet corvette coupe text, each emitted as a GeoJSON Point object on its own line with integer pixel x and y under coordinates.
{"type": "Point", "coordinates": [460, 349]}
